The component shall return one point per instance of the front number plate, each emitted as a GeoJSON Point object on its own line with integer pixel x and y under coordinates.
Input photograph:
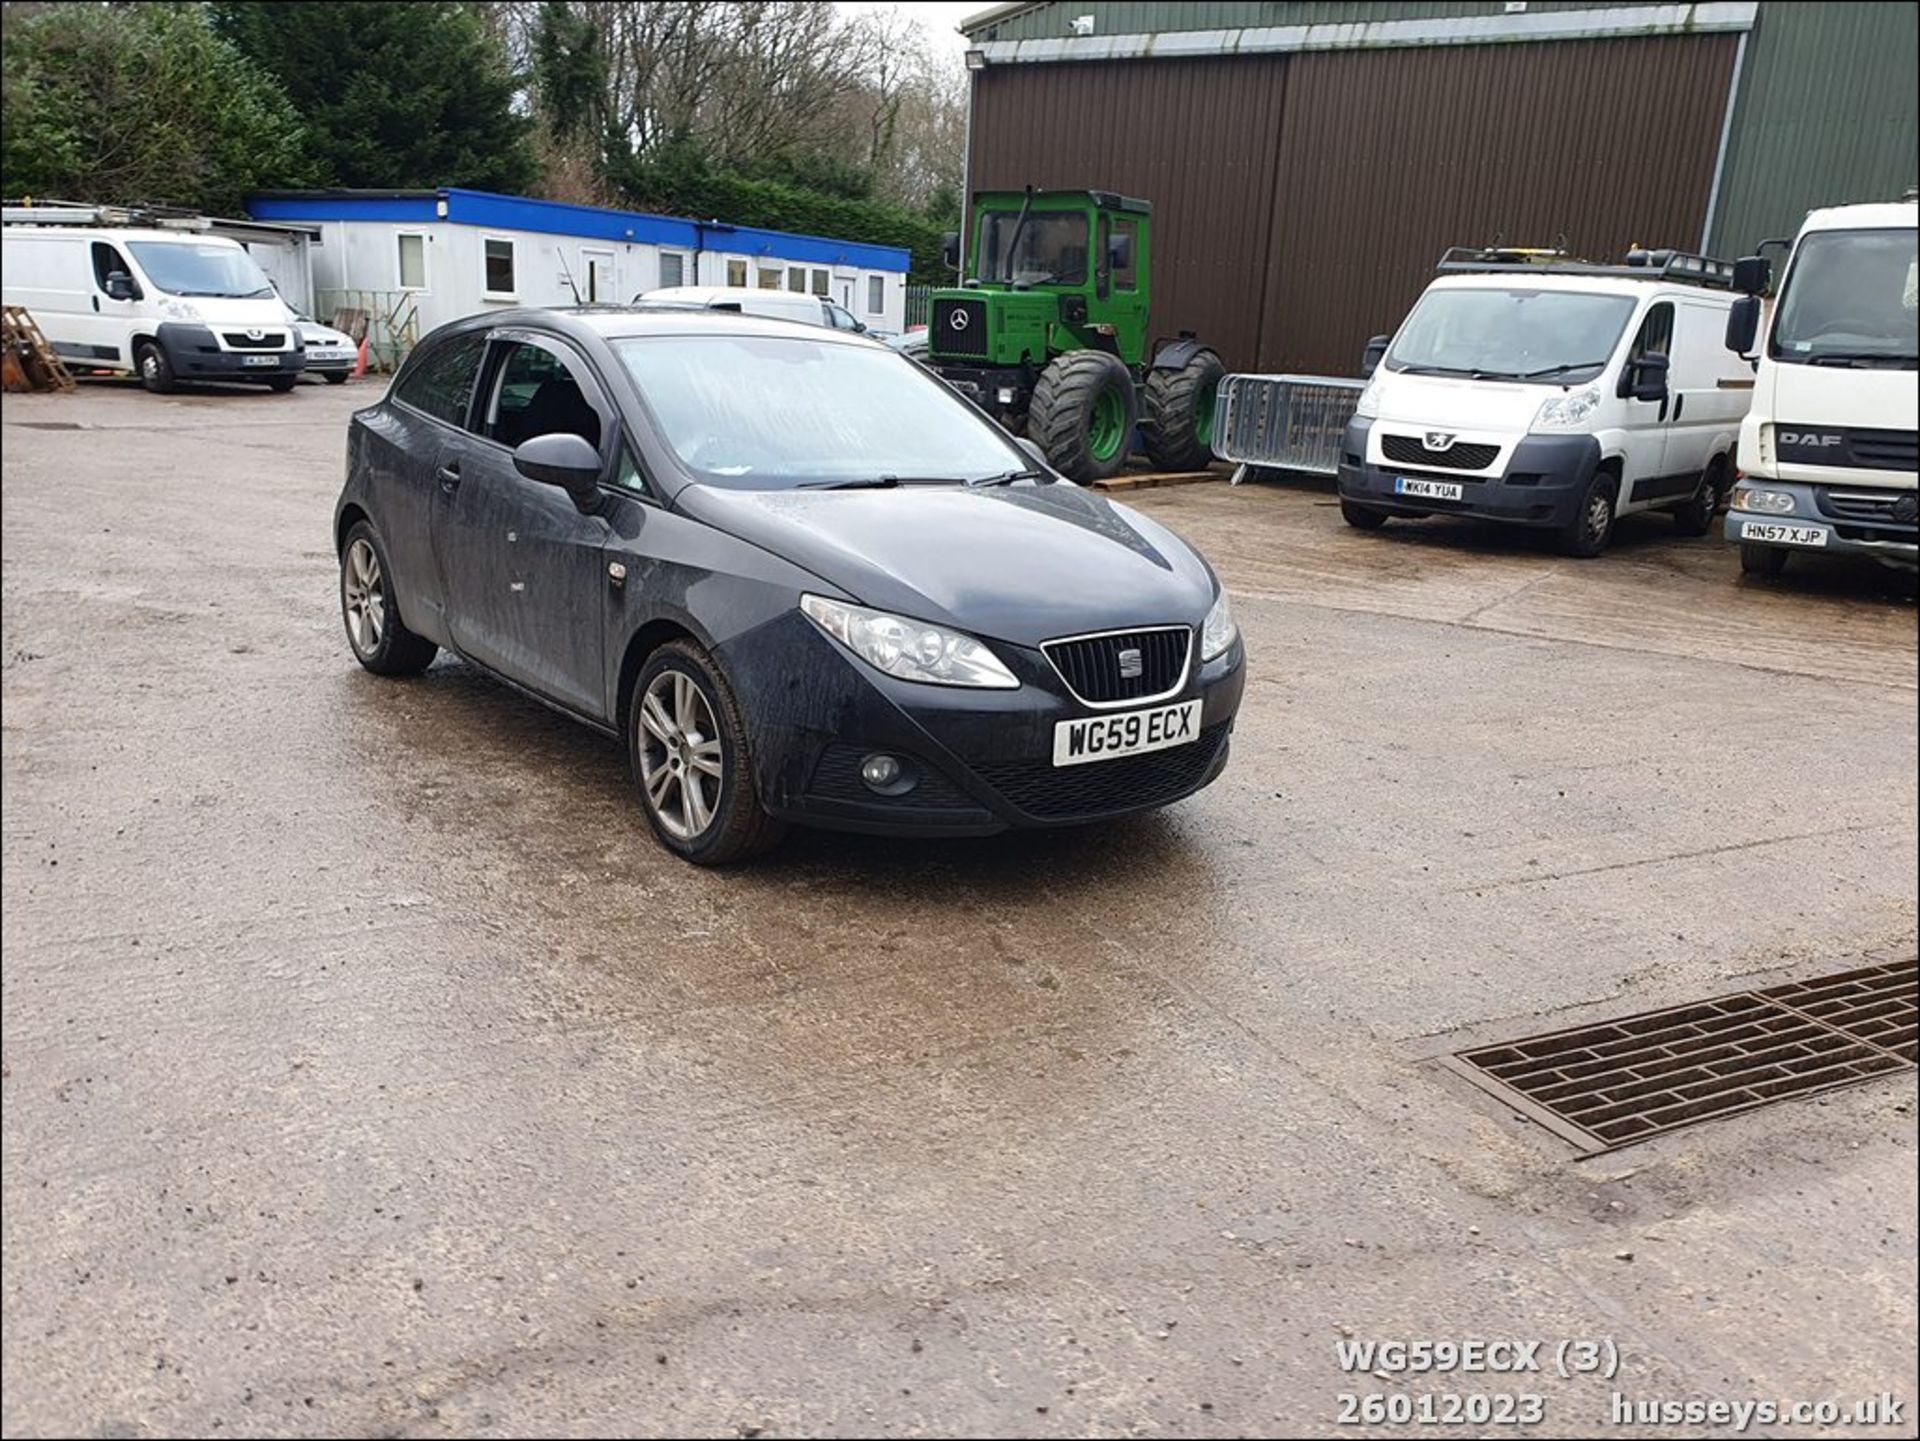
{"type": "Point", "coordinates": [259, 360]}
{"type": "Point", "coordinates": [1431, 489]}
{"type": "Point", "coordinates": [1782, 534]}
{"type": "Point", "coordinates": [1101, 738]}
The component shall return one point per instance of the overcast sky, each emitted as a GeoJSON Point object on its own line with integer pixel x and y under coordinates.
{"type": "Point", "coordinates": [938, 17]}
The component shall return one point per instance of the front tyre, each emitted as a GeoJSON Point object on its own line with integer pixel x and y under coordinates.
{"type": "Point", "coordinates": [1362, 517]}
{"type": "Point", "coordinates": [688, 743]}
{"type": "Point", "coordinates": [336, 377]}
{"type": "Point", "coordinates": [281, 384]}
{"type": "Point", "coordinates": [1180, 405]}
{"type": "Point", "coordinates": [1082, 414]}
{"type": "Point", "coordinates": [380, 639]}
{"type": "Point", "coordinates": [156, 371]}
{"type": "Point", "coordinates": [1587, 534]}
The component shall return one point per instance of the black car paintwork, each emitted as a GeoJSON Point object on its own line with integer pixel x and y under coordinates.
{"type": "Point", "coordinates": [512, 575]}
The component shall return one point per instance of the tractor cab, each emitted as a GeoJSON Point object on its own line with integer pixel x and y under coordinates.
{"type": "Point", "coordinates": [1047, 332]}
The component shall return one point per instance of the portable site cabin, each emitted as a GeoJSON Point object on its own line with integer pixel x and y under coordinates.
{"type": "Point", "coordinates": [424, 257]}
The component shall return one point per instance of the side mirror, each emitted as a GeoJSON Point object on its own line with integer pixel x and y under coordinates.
{"type": "Point", "coordinates": [1119, 251]}
{"type": "Point", "coordinates": [120, 286]}
{"type": "Point", "coordinates": [1752, 274]}
{"type": "Point", "coordinates": [1743, 325]}
{"type": "Point", "coordinates": [1035, 453]}
{"type": "Point", "coordinates": [950, 249]}
{"type": "Point", "coordinates": [1371, 357]}
{"type": "Point", "coordinates": [1650, 377]}
{"type": "Point", "coordinates": [563, 459]}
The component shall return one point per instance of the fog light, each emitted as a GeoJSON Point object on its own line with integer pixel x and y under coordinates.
{"type": "Point", "coordinates": [879, 771]}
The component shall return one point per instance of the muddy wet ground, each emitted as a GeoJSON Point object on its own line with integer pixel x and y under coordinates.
{"type": "Point", "coordinates": [369, 1069]}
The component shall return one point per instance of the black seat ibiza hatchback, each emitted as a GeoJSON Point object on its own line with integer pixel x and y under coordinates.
{"type": "Point", "coordinates": [798, 575]}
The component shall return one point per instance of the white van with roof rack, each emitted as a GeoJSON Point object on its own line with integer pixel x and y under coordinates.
{"type": "Point", "coordinates": [1828, 456]}
{"type": "Point", "coordinates": [166, 304]}
{"type": "Point", "coordinates": [1536, 390]}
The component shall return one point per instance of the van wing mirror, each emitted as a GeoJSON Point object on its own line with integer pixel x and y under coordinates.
{"type": "Point", "coordinates": [1752, 274]}
{"type": "Point", "coordinates": [1743, 325]}
{"type": "Point", "coordinates": [1650, 377]}
{"type": "Point", "coordinates": [1371, 357]}
{"type": "Point", "coordinates": [120, 286]}
{"type": "Point", "coordinates": [950, 249]}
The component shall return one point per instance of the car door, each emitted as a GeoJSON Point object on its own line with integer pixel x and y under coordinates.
{"type": "Point", "coordinates": [1644, 422]}
{"type": "Point", "coordinates": [108, 324]}
{"type": "Point", "coordinates": [523, 570]}
{"type": "Point", "coordinates": [1700, 409]}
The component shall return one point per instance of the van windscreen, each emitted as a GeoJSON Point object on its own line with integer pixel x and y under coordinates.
{"type": "Point", "coordinates": [186, 268]}
{"type": "Point", "coordinates": [1554, 337]}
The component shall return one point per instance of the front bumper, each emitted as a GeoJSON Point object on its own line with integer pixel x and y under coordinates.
{"type": "Point", "coordinates": [195, 353]}
{"type": "Point", "coordinates": [323, 362]}
{"type": "Point", "coordinates": [1542, 484]}
{"type": "Point", "coordinates": [1824, 522]}
{"type": "Point", "coordinates": [983, 758]}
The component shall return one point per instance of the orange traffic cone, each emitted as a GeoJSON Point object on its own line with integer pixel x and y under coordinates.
{"type": "Point", "coordinates": [360, 365]}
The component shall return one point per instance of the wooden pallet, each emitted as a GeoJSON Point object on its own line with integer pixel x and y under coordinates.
{"type": "Point", "coordinates": [1146, 479]}
{"type": "Point", "coordinates": [31, 362]}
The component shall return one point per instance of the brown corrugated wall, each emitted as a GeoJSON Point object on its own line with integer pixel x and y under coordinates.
{"type": "Point", "coordinates": [1300, 201]}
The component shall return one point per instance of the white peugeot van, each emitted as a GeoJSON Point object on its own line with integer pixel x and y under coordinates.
{"type": "Point", "coordinates": [1528, 388]}
{"type": "Point", "coordinates": [168, 305]}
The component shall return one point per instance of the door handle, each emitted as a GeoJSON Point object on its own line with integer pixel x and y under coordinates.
{"type": "Point", "coordinates": [450, 478]}
{"type": "Point", "coordinates": [1679, 403]}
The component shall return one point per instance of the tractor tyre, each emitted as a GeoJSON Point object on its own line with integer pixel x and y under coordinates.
{"type": "Point", "coordinates": [1180, 408]}
{"type": "Point", "coordinates": [1083, 413]}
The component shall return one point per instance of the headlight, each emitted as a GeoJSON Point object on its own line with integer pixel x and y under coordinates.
{"type": "Point", "coordinates": [909, 649]}
{"type": "Point", "coordinates": [1766, 502]}
{"type": "Point", "coordinates": [1217, 632]}
{"type": "Point", "coordinates": [1566, 412]}
{"type": "Point", "coordinates": [1367, 407]}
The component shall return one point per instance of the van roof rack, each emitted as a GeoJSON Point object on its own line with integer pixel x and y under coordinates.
{"type": "Point", "coordinates": [66, 212]}
{"type": "Point", "coordinates": [1640, 264]}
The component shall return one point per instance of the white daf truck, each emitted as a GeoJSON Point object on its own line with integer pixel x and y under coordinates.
{"type": "Point", "coordinates": [1826, 455]}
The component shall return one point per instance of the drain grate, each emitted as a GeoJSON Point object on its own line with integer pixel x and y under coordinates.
{"type": "Point", "coordinates": [1622, 1081]}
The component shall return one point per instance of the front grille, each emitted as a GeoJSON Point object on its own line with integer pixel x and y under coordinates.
{"type": "Point", "coordinates": [1412, 450]}
{"type": "Point", "coordinates": [966, 337]}
{"type": "Point", "coordinates": [1884, 449]}
{"type": "Point", "coordinates": [836, 777]}
{"type": "Point", "coordinates": [1102, 788]}
{"type": "Point", "coordinates": [1092, 667]}
{"type": "Point", "coordinates": [1895, 507]}
{"type": "Point", "coordinates": [267, 340]}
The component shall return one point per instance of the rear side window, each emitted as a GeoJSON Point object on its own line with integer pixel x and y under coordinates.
{"type": "Point", "coordinates": [1655, 338]}
{"type": "Point", "coordinates": [537, 394]}
{"type": "Point", "coordinates": [106, 260]}
{"type": "Point", "coordinates": [437, 383]}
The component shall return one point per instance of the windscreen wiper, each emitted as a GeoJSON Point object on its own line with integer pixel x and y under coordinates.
{"type": "Point", "coordinates": [1860, 359]}
{"type": "Point", "coordinates": [864, 482]}
{"type": "Point", "coordinates": [1005, 477]}
{"type": "Point", "coordinates": [1545, 371]}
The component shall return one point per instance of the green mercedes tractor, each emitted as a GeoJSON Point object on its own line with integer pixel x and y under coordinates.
{"type": "Point", "coordinates": [1047, 332]}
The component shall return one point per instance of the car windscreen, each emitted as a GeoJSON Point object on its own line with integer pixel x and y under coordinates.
{"type": "Point", "coordinates": [1850, 300]}
{"type": "Point", "coordinates": [182, 268]}
{"type": "Point", "coordinates": [1048, 249]}
{"type": "Point", "coordinates": [1557, 337]}
{"type": "Point", "coordinates": [779, 412]}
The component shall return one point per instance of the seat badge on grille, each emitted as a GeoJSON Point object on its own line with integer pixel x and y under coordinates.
{"type": "Point", "coordinates": [1131, 666]}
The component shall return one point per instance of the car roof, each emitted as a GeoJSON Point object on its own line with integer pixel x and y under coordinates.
{"type": "Point", "coordinates": [1546, 279]}
{"type": "Point", "coordinates": [626, 322]}
{"type": "Point", "coordinates": [707, 294]}
{"type": "Point", "coordinates": [1896, 215]}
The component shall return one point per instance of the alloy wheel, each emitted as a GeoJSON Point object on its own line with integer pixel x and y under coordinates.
{"type": "Point", "coordinates": [682, 765]}
{"type": "Point", "coordinates": [363, 590]}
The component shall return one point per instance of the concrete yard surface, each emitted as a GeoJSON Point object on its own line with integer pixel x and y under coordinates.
{"type": "Point", "coordinates": [370, 1070]}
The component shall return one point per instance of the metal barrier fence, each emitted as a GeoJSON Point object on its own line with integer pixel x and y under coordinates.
{"type": "Point", "coordinates": [1284, 422]}
{"type": "Point", "coordinates": [388, 320]}
{"type": "Point", "coordinates": [919, 304]}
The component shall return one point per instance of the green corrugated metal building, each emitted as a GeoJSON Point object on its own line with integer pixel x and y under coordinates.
{"type": "Point", "coordinates": [1280, 136]}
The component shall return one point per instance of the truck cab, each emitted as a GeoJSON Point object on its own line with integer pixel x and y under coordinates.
{"type": "Point", "coordinates": [1827, 454]}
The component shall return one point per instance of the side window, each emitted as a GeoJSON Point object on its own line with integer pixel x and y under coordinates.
{"type": "Point", "coordinates": [106, 260]}
{"type": "Point", "coordinates": [438, 380]}
{"type": "Point", "coordinates": [1126, 234]}
{"type": "Point", "coordinates": [412, 252]}
{"type": "Point", "coordinates": [822, 282]}
{"type": "Point", "coordinates": [838, 318]}
{"type": "Point", "coordinates": [876, 294]}
{"type": "Point", "coordinates": [497, 270]}
{"type": "Point", "coordinates": [535, 393]}
{"type": "Point", "coordinates": [769, 279]}
{"type": "Point", "coordinates": [737, 274]}
{"type": "Point", "coordinates": [673, 269]}
{"type": "Point", "coordinates": [797, 279]}
{"type": "Point", "coordinates": [1655, 337]}
{"type": "Point", "coordinates": [628, 475]}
